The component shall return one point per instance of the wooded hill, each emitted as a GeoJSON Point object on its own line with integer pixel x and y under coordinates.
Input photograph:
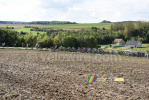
{"type": "Point", "coordinates": [38, 22]}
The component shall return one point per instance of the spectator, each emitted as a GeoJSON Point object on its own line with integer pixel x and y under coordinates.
{"type": "Point", "coordinates": [37, 46]}
{"type": "Point", "coordinates": [27, 45]}
{"type": "Point", "coordinates": [3, 44]}
{"type": "Point", "coordinates": [147, 55]}
{"type": "Point", "coordinates": [22, 44]}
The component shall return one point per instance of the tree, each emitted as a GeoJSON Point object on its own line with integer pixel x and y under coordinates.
{"type": "Point", "coordinates": [46, 41]}
{"type": "Point", "coordinates": [105, 21]}
{"type": "Point", "coordinates": [129, 27]}
{"type": "Point", "coordinates": [70, 42]}
{"type": "Point", "coordinates": [30, 39]}
{"type": "Point", "coordinates": [58, 40]}
{"type": "Point", "coordinates": [91, 42]}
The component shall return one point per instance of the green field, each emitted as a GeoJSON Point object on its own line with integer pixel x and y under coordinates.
{"type": "Point", "coordinates": [64, 26]}
{"type": "Point", "coordinates": [77, 26]}
{"type": "Point", "coordinates": [28, 30]}
{"type": "Point", "coordinates": [115, 47]}
{"type": "Point", "coordinates": [144, 47]}
{"type": "Point", "coordinates": [20, 27]}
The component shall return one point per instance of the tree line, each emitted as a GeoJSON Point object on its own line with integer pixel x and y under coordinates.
{"type": "Point", "coordinates": [52, 22]}
{"type": "Point", "coordinates": [38, 22]}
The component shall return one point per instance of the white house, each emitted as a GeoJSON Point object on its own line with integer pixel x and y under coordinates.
{"type": "Point", "coordinates": [119, 42]}
{"type": "Point", "coordinates": [134, 44]}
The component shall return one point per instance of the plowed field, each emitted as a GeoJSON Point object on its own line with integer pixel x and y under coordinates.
{"type": "Point", "coordinates": [45, 75]}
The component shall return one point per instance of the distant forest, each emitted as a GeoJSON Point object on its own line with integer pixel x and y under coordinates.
{"type": "Point", "coordinates": [38, 22]}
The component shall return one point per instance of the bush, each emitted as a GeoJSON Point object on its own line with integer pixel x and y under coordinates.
{"type": "Point", "coordinates": [45, 42]}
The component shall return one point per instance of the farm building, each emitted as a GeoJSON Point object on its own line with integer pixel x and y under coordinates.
{"type": "Point", "coordinates": [119, 42]}
{"type": "Point", "coordinates": [133, 44]}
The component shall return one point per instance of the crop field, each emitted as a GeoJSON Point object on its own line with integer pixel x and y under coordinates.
{"type": "Point", "coordinates": [78, 26]}
{"type": "Point", "coordinates": [64, 26]}
{"type": "Point", "coordinates": [45, 75]}
{"type": "Point", "coordinates": [20, 27]}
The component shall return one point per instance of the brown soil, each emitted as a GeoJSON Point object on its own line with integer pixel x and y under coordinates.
{"type": "Point", "coordinates": [45, 75]}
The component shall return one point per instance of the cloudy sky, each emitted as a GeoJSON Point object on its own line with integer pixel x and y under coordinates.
{"type": "Point", "coordinates": [81, 11]}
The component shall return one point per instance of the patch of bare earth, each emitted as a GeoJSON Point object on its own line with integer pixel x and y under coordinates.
{"type": "Point", "coordinates": [48, 75]}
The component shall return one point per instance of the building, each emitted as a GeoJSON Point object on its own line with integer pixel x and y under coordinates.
{"type": "Point", "coordinates": [119, 42]}
{"type": "Point", "coordinates": [133, 44]}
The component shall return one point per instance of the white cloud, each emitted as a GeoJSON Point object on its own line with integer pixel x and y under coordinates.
{"type": "Point", "coordinates": [114, 10]}
{"type": "Point", "coordinates": [74, 10]}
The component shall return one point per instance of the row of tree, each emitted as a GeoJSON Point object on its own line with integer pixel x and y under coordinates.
{"type": "Point", "coordinates": [52, 22]}
{"type": "Point", "coordinates": [7, 27]}
{"type": "Point", "coordinates": [132, 30]}
{"type": "Point", "coordinates": [38, 22]}
{"type": "Point", "coordinates": [11, 37]}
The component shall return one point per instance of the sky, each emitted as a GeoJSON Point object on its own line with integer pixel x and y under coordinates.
{"type": "Point", "coordinates": [81, 11]}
